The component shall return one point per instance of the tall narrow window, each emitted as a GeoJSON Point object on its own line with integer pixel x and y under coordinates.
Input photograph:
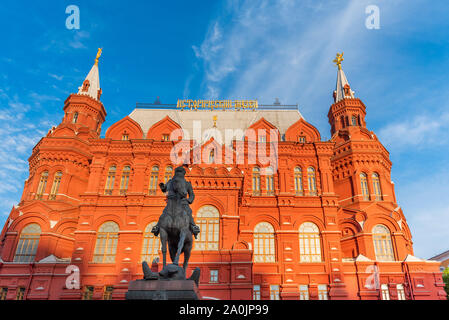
{"type": "Point", "coordinates": [125, 137]}
{"type": "Point", "coordinates": [364, 186]}
{"type": "Point", "coordinates": [312, 181]}
{"type": "Point", "coordinates": [401, 292]}
{"type": "Point", "coordinates": [256, 292]}
{"type": "Point", "coordinates": [298, 181]}
{"type": "Point", "coordinates": [322, 292]}
{"type": "Point", "coordinates": [55, 186]}
{"type": "Point", "coordinates": [20, 295]}
{"type": "Point", "coordinates": [385, 292]}
{"type": "Point", "coordinates": [274, 292]}
{"type": "Point", "coordinates": [106, 244]}
{"type": "Point", "coordinates": [309, 243]}
{"type": "Point", "coordinates": [376, 187]}
{"type": "Point", "coordinates": [383, 247]}
{"type": "Point", "coordinates": [3, 293]}
{"type": "Point", "coordinates": [212, 156]}
{"type": "Point", "coordinates": [270, 181]}
{"type": "Point", "coordinates": [264, 250]}
{"type": "Point", "coordinates": [302, 139]}
{"type": "Point", "coordinates": [256, 181]}
{"type": "Point", "coordinates": [303, 292]}
{"type": "Point", "coordinates": [125, 180]}
{"type": "Point", "coordinates": [110, 180]}
{"type": "Point", "coordinates": [88, 292]}
{"type": "Point", "coordinates": [168, 174]}
{"type": "Point", "coordinates": [28, 242]}
{"type": "Point", "coordinates": [107, 294]}
{"type": "Point", "coordinates": [42, 185]}
{"type": "Point", "coordinates": [75, 117]}
{"type": "Point", "coordinates": [166, 137]}
{"type": "Point", "coordinates": [151, 244]}
{"type": "Point", "coordinates": [353, 120]}
{"type": "Point", "coordinates": [208, 219]}
{"type": "Point", "coordinates": [153, 179]}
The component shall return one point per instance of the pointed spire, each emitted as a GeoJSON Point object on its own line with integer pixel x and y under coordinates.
{"type": "Point", "coordinates": [342, 90]}
{"type": "Point", "coordinates": [91, 85]}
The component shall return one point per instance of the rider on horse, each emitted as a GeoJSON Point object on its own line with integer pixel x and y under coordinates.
{"type": "Point", "coordinates": [168, 187]}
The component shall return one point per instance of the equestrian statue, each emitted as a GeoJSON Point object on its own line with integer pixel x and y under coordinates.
{"type": "Point", "coordinates": [175, 228]}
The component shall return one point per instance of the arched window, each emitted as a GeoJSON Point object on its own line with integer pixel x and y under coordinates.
{"type": "Point", "coordinates": [208, 219]}
{"type": "Point", "coordinates": [110, 180]}
{"type": "Point", "coordinates": [125, 136]}
{"type": "Point", "coordinates": [75, 117]}
{"type": "Point", "coordinates": [309, 243]}
{"type": "Point", "coordinates": [256, 181]}
{"type": "Point", "coordinates": [270, 181]}
{"type": "Point", "coordinates": [106, 245]}
{"type": "Point", "coordinates": [401, 292]}
{"type": "Point", "coordinates": [153, 179]}
{"type": "Point", "coordinates": [264, 249]}
{"type": "Point", "coordinates": [298, 181]}
{"type": "Point", "coordinates": [42, 185]}
{"type": "Point", "coordinates": [383, 246]}
{"type": "Point", "coordinates": [28, 242]}
{"type": "Point", "coordinates": [364, 186]}
{"type": "Point", "coordinates": [342, 120]}
{"type": "Point", "coordinates": [150, 245]}
{"type": "Point", "coordinates": [55, 186]}
{"type": "Point", "coordinates": [354, 120]}
{"type": "Point", "coordinates": [168, 174]}
{"type": "Point", "coordinates": [125, 180]}
{"type": "Point", "coordinates": [312, 181]}
{"type": "Point", "coordinates": [385, 292]}
{"type": "Point", "coordinates": [376, 187]}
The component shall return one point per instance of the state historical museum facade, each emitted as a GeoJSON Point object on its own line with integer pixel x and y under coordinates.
{"type": "Point", "coordinates": [322, 223]}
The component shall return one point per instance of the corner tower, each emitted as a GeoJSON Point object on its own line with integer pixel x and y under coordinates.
{"type": "Point", "coordinates": [362, 178]}
{"type": "Point", "coordinates": [83, 112]}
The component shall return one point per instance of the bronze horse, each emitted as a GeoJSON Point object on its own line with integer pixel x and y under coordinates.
{"type": "Point", "coordinates": [174, 223]}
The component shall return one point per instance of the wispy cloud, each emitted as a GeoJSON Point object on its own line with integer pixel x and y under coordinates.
{"type": "Point", "coordinates": [420, 131]}
{"type": "Point", "coordinates": [266, 46]}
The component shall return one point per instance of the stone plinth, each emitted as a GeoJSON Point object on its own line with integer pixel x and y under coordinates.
{"type": "Point", "coordinates": [162, 290]}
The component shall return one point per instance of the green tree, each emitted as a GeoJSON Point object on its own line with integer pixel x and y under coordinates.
{"type": "Point", "coordinates": [446, 280]}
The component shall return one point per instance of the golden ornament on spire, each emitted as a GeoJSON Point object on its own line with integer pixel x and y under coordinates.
{"type": "Point", "coordinates": [100, 50]}
{"type": "Point", "coordinates": [339, 59]}
{"type": "Point", "coordinates": [215, 121]}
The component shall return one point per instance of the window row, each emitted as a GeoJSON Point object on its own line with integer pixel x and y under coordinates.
{"type": "Point", "coordinates": [20, 293]}
{"type": "Point", "coordinates": [298, 181]}
{"type": "Point", "coordinates": [303, 292]}
{"type": "Point", "coordinates": [377, 191]}
{"type": "Point", "coordinates": [124, 180]}
{"type": "Point", "coordinates": [43, 184]}
{"type": "Point", "coordinates": [208, 220]}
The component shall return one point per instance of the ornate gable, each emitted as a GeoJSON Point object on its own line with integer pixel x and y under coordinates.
{"type": "Point", "coordinates": [125, 129]}
{"type": "Point", "coordinates": [302, 131]}
{"type": "Point", "coordinates": [161, 129]}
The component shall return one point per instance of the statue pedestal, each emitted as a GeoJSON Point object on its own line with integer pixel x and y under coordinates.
{"type": "Point", "coordinates": [162, 290]}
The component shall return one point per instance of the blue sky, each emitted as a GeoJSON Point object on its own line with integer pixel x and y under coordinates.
{"type": "Point", "coordinates": [240, 49]}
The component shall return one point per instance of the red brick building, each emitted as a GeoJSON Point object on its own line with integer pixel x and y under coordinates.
{"type": "Point", "coordinates": [322, 222]}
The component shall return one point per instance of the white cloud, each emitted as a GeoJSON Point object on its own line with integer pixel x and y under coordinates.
{"type": "Point", "coordinates": [263, 47]}
{"type": "Point", "coordinates": [420, 131]}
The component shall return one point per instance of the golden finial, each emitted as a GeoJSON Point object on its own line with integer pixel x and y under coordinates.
{"type": "Point", "coordinates": [215, 121]}
{"type": "Point", "coordinates": [100, 50]}
{"type": "Point", "coordinates": [339, 59]}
